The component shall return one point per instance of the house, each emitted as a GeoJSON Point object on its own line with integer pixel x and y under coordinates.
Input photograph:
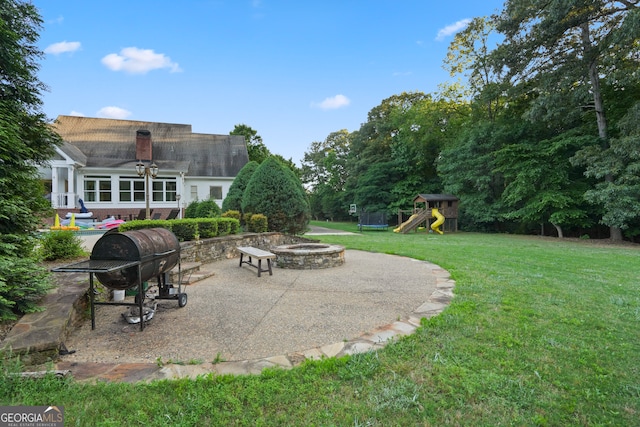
{"type": "Point", "coordinates": [97, 163]}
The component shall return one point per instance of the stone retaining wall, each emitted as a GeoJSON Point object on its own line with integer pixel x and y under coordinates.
{"type": "Point", "coordinates": [219, 248]}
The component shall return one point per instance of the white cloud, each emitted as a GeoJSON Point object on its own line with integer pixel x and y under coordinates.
{"type": "Point", "coordinates": [62, 47]}
{"type": "Point", "coordinates": [76, 113]}
{"type": "Point", "coordinates": [139, 61]}
{"type": "Point", "coordinates": [113, 113]}
{"type": "Point", "coordinates": [452, 29]}
{"type": "Point", "coordinates": [58, 20]}
{"type": "Point", "coordinates": [332, 103]}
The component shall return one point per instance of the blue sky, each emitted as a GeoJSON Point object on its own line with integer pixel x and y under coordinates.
{"type": "Point", "coordinates": [293, 70]}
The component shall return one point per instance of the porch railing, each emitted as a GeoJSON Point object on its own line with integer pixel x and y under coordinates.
{"type": "Point", "coordinates": [63, 200]}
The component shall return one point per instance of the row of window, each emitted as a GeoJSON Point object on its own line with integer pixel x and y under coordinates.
{"type": "Point", "coordinates": [131, 189]}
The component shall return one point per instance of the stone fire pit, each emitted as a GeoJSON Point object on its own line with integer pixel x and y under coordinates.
{"type": "Point", "coordinates": [308, 256]}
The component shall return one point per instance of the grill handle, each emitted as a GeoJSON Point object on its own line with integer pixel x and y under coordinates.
{"type": "Point", "coordinates": [157, 254]}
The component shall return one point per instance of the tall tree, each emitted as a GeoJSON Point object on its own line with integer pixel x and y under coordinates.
{"type": "Point", "coordinates": [372, 169]}
{"type": "Point", "coordinates": [255, 147]}
{"type": "Point", "coordinates": [468, 170]}
{"type": "Point", "coordinates": [324, 172]}
{"type": "Point", "coordinates": [562, 48]}
{"type": "Point", "coordinates": [469, 55]}
{"type": "Point", "coordinates": [325, 162]}
{"type": "Point", "coordinates": [541, 185]}
{"type": "Point", "coordinates": [26, 140]}
{"type": "Point", "coordinates": [622, 160]}
{"type": "Point", "coordinates": [423, 130]}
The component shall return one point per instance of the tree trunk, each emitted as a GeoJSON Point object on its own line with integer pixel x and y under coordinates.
{"type": "Point", "coordinates": [615, 234]}
{"type": "Point", "coordinates": [559, 230]}
{"type": "Point", "coordinates": [591, 58]}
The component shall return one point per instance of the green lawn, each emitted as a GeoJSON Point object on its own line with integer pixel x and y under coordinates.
{"type": "Point", "coordinates": [541, 332]}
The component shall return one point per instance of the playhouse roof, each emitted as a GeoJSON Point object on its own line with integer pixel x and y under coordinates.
{"type": "Point", "coordinates": [435, 198]}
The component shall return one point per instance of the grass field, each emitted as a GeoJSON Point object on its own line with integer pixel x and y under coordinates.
{"type": "Point", "coordinates": [541, 332]}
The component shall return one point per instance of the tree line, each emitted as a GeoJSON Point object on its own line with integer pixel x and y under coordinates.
{"type": "Point", "coordinates": [539, 134]}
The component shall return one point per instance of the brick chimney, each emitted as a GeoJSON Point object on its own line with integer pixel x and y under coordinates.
{"type": "Point", "coordinates": [143, 145]}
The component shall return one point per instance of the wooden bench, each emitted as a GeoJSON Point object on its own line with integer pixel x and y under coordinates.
{"type": "Point", "coordinates": [258, 254]}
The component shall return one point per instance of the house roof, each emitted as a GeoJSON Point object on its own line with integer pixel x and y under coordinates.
{"type": "Point", "coordinates": [111, 143]}
{"type": "Point", "coordinates": [74, 153]}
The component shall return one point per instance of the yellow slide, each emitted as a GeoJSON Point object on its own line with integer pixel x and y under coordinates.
{"type": "Point", "coordinates": [438, 222]}
{"type": "Point", "coordinates": [401, 226]}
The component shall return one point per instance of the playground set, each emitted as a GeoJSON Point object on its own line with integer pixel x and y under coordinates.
{"type": "Point", "coordinates": [442, 208]}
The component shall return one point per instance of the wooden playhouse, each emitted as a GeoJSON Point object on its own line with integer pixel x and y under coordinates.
{"type": "Point", "coordinates": [446, 204]}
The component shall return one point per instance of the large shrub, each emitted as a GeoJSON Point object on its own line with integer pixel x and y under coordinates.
{"type": "Point", "coordinates": [190, 211]}
{"type": "Point", "coordinates": [277, 193]}
{"type": "Point", "coordinates": [185, 229]}
{"type": "Point", "coordinates": [258, 223]}
{"type": "Point", "coordinates": [246, 220]}
{"type": "Point", "coordinates": [63, 244]}
{"type": "Point", "coordinates": [231, 214]}
{"type": "Point", "coordinates": [140, 224]}
{"type": "Point", "coordinates": [22, 284]}
{"type": "Point", "coordinates": [233, 201]}
{"type": "Point", "coordinates": [208, 228]}
{"type": "Point", "coordinates": [189, 229]}
{"type": "Point", "coordinates": [208, 209]}
{"type": "Point", "coordinates": [234, 225]}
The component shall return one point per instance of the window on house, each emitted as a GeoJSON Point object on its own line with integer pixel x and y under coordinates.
{"type": "Point", "coordinates": [97, 188]}
{"type": "Point", "coordinates": [125, 191]}
{"type": "Point", "coordinates": [171, 190]}
{"type": "Point", "coordinates": [131, 189]}
{"type": "Point", "coordinates": [215, 192]}
{"type": "Point", "coordinates": [164, 190]}
{"type": "Point", "coordinates": [194, 192]}
{"type": "Point", "coordinates": [138, 191]}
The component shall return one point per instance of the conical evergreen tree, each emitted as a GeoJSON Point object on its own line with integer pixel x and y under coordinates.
{"type": "Point", "coordinates": [276, 192]}
{"type": "Point", "coordinates": [233, 201]}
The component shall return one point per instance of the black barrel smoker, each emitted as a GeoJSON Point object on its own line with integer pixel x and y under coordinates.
{"type": "Point", "coordinates": [122, 261]}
